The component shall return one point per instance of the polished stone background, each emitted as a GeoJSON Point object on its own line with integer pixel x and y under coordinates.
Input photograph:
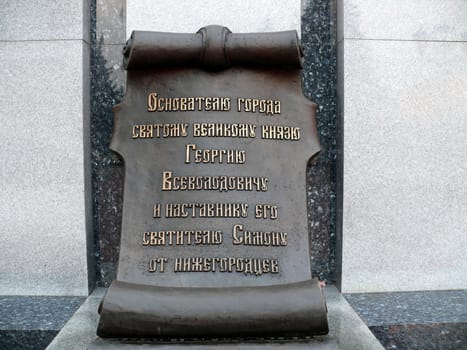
{"type": "Point", "coordinates": [107, 88]}
{"type": "Point", "coordinates": [319, 84]}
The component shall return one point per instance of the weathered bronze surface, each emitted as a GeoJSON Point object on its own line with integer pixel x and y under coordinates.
{"type": "Point", "coordinates": [215, 135]}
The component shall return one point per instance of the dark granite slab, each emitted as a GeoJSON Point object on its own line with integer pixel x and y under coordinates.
{"type": "Point", "coordinates": [415, 320]}
{"type": "Point", "coordinates": [31, 322]}
{"type": "Point", "coordinates": [25, 340]}
{"type": "Point", "coordinates": [36, 312]}
{"type": "Point", "coordinates": [319, 80]}
{"type": "Point", "coordinates": [378, 309]}
{"type": "Point", "coordinates": [434, 336]}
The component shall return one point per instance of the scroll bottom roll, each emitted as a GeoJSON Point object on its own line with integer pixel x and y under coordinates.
{"type": "Point", "coordinates": [132, 310]}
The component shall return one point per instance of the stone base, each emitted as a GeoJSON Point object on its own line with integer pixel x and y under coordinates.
{"type": "Point", "coordinates": [321, 343]}
{"type": "Point", "coordinates": [345, 328]}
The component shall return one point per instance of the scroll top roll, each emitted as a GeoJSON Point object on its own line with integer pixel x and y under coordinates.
{"type": "Point", "coordinates": [212, 48]}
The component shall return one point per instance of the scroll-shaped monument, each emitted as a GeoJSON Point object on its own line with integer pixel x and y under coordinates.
{"type": "Point", "coordinates": [215, 135]}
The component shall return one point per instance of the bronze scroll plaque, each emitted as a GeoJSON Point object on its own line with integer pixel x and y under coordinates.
{"type": "Point", "coordinates": [215, 135]}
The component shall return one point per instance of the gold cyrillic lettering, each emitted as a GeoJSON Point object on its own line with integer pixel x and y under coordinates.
{"type": "Point", "coordinates": [274, 266]}
{"type": "Point", "coordinates": [156, 213]}
{"type": "Point", "coordinates": [152, 102]}
{"type": "Point", "coordinates": [166, 183]}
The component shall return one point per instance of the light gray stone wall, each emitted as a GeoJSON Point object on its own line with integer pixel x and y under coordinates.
{"type": "Point", "coordinates": [403, 99]}
{"type": "Point", "coordinates": [187, 16]}
{"type": "Point", "coordinates": [44, 63]}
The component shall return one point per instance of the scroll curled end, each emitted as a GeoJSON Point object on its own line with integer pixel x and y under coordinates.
{"type": "Point", "coordinates": [131, 310]}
